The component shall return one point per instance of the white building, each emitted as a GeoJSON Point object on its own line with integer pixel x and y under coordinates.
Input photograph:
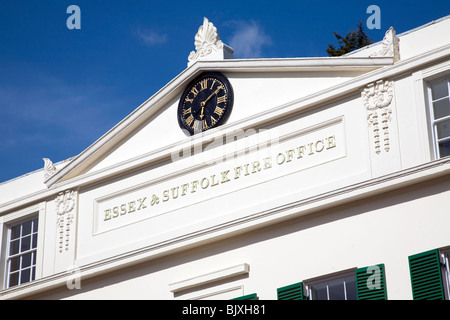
{"type": "Point", "coordinates": [316, 177]}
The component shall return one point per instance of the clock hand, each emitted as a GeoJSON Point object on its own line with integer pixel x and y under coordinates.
{"type": "Point", "coordinates": [203, 103]}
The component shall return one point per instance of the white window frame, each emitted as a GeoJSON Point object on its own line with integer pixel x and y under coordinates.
{"type": "Point", "coordinates": [309, 284]}
{"type": "Point", "coordinates": [445, 271]}
{"type": "Point", "coordinates": [9, 220]}
{"type": "Point", "coordinates": [433, 120]}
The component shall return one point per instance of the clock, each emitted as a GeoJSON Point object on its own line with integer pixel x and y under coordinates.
{"type": "Point", "coordinates": [205, 103]}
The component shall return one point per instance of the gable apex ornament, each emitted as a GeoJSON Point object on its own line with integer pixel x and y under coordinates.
{"type": "Point", "coordinates": [389, 46]}
{"type": "Point", "coordinates": [49, 168]}
{"type": "Point", "coordinates": [208, 45]}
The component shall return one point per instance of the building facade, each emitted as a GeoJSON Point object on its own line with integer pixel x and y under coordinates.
{"type": "Point", "coordinates": [306, 178]}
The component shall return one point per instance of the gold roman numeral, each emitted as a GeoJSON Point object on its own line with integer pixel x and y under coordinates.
{"type": "Point", "coordinates": [219, 111]}
{"type": "Point", "coordinates": [189, 120]}
{"type": "Point", "coordinates": [221, 99]}
{"type": "Point", "coordinates": [213, 121]}
{"type": "Point", "coordinates": [194, 91]}
{"type": "Point", "coordinates": [203, 84]}
{"type": "Point", "coordinates": [187, 111]}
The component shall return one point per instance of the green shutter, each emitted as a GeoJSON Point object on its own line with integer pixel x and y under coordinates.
{"type": "Point", "coordinates": [370, 283]}
{"type": "Point", "coordinates": [252, 296]}
{"type": "Point", "coordinates": [426, 280]}
{"type": "Point", "coordinates": [291, 292]}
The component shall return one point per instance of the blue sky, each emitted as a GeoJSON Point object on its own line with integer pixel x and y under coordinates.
{"type": "Point", "coordinates": [61, 89]}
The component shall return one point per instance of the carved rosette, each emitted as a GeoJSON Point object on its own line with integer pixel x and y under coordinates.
{"type": "Point", "coordinates": [207, 40]}
{"type": "Point", "coordinates": [65, 204]}
{"type": "Point", "coordinates": [377, 98]}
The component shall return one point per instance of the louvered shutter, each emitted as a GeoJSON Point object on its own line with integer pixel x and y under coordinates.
{"type": "Point", "coordinates": [370, 283]}
{"type": "Point", "coordinates": [291, 292]}
{"type": "Point", "coordinates": [252, 296]}
{"type": "Point", "coordinates": [426, 280]}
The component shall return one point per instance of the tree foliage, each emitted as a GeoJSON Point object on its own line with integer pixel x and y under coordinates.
{"type": "Point", "coordinates": [354, 39]}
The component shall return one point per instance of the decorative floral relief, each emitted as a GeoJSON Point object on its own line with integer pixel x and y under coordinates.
{"type": "Point", "coordinates": [377, 98]}
{"type": "Point", "coordinates": [49, 169]}
{"type": "Point", "coordinates": [206, 40]}
{"type": "Point", "coordinates": [389, 46]}
{"type": "Point", "coordinates": [65, 203]}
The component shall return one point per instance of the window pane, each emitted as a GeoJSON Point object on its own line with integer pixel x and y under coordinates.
{"type": "Point", "coordinates": [319, 292]}
{"type": "Point", "coordinates": [15, 232]}
{"type": "Point", "coordinates": [26, 260]}
{"type": "Point", "coordinates": [14, 264]}
{"type": "Point", "coordinates": [351, 289]}
{"type": "Point", "coordinates": [443, 129]}
{"type": "Point", "coordinates": [14, 279]}
{"type": "Point", "coordinates": [33, 272]}
{"type": "Point", "coordinates": [35, 225]}
{"type": "Point", "coordinates": [26, 244]}
{"type": "Point", "coordinates": [14, 247]}
{"type": "Point", "coordinates": [439, 90]}
{"type": "Point", "coordinates": [25, 275]}
{"type": "Point", "coordinates": [26, 227]}
{"type": "Point", "coordinates": [444, 148]}
{"type": "Point", "coordinates": [441, 108]}
{"type": "Point", "coordinates": [336, 290]}
{"type": "Point", "coordinates": [34, 244]}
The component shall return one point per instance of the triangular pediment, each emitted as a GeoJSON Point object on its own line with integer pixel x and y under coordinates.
{"type": "Point", "coordinates": [260, 86]}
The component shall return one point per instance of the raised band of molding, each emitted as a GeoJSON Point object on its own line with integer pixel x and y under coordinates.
{"type": "Point", "coordinates": [208, 45]}
{"type": "Point", "coordinates": [49, 169]}
{"type": "Point", "coordinates": [65, 204]}
{"type": "Point", "coordinates": [377, 99]}
{"type": "Point", "coordinates": [210, 277]}
{"type": "Point", "coordinates": [389, 46]}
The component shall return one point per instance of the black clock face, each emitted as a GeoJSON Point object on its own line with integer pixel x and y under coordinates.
{"type": "Point", "coordinates": [206, 103]}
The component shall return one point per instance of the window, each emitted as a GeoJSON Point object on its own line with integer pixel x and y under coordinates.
{"type": "Point", "coordinates": [438, 94]}
{"type": "Point", "coordinates": [367, 283]}
{"type": "Point", "coordinates": [21, 252]}
{"type": "Point", "coordinates": [338, 287]}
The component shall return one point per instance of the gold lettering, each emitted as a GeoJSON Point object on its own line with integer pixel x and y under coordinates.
{"type": "Point", "coordinates": [189, 100]}
{"type": "Point", "coordinates": [141, 203]}
{"type": "Point", "coordinates": [301, 152]}
{"type": "Point", "coordinates": [255, 166]}
{"type": "Point", "coordinates": [289, 154]}
{"type": "Point", "coordinates": [331, 142]}
{"type": "Point", "coordinates": [283, 158]}
{"type": "Point", "coordinates": [107, 214]}
{"type": "Point", "coordinates": [213, 121]}
{"type": "Point", "coordinates": [184, 189]}
{"type": "Point", "coordinates": [310, 149]}
{"type": "Point", "coordinates": [237, 172]}
{"type": "Point", "coordinates": [173, 193]}
{"type": "Point", "coordinates": [194, 186]}
{"type": "Point", "coordinates": [214, 183]}
{"type": "Point", "coordinates": [203, 185]}
{"type": "Point", "coordinates": [165, 195]}
{"type": "Point", "coordinates": [224, 176]}
{"type": "Point", "coordinates": [319, 149]}
{"type": "Point", "coordinates": [123, 209]}
{"type": "Point", "coordinates": [267, 163]}
{"type": "Point", "coordinates": [115, 212]}
{"type": "Point", "coordinates": [204, 125]}
{"type": "Point", "coordinates": [212, 85]}
{"type": "Point", "coordinates": [246, 169]}
{"type": "Point", "coordinates": [131, 206]}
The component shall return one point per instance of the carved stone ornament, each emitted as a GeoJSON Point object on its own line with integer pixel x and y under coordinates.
{"type": "Point", "coordinates": [208, 43]}
{"type": "Point", "coordinates": [65, 204]}
{"type": "Point", "coordinates": [49, 169]}
{"type": "Point", "coordinates": [377, 98]}
{"type": "Point", "coordinates": [389, 46]}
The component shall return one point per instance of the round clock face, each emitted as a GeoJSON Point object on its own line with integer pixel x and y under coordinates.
{"type": "Point", "coordinates": [206, 103]}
